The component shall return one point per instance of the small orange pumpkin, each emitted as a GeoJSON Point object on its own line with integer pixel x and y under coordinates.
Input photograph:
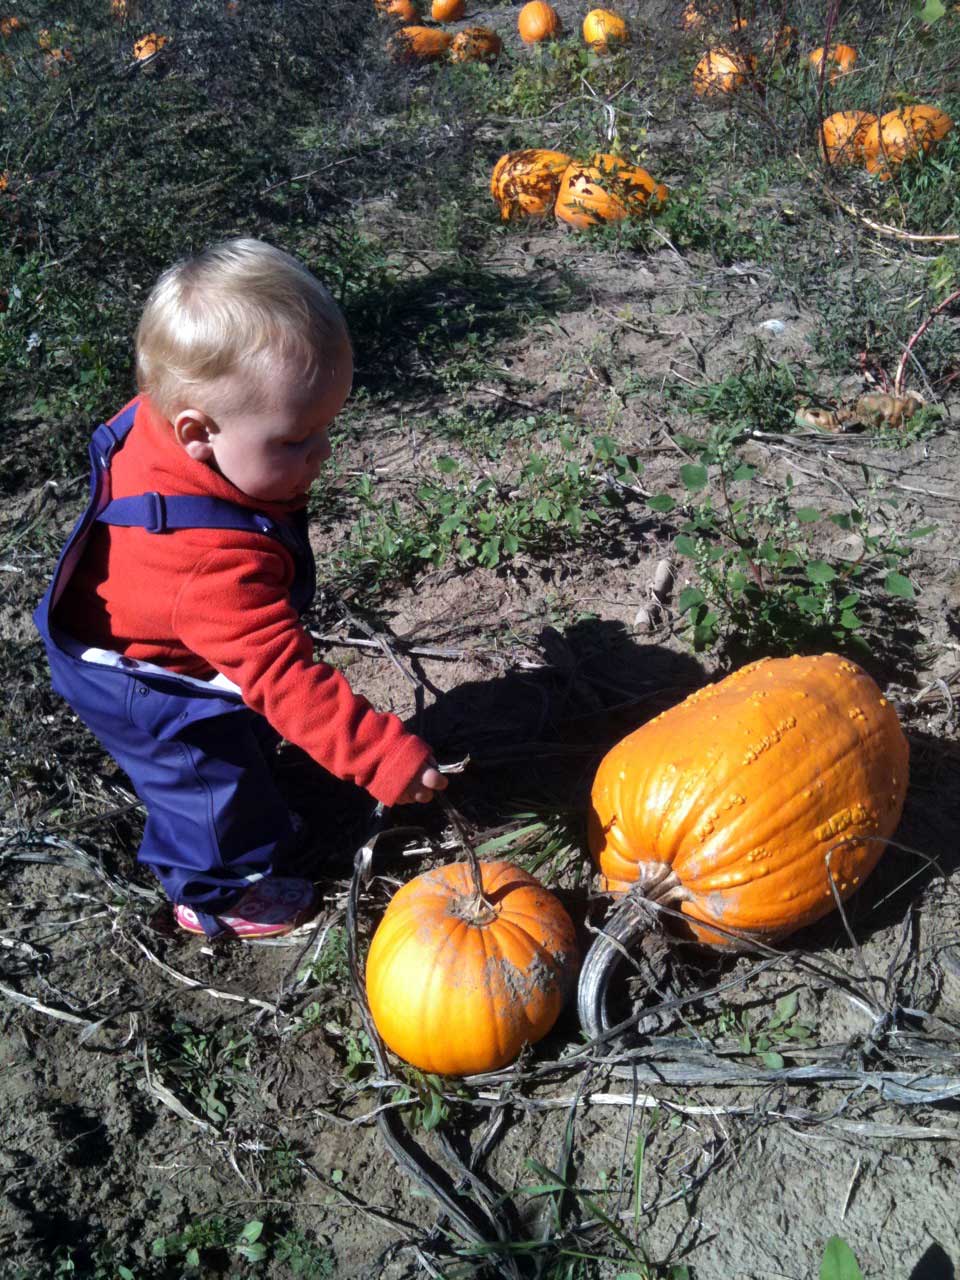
{"type": "Point", "coordinates": [475, 44]}
{"type": "Point", "coordinates": [721, 71]}
{"type": "Point", "coordinates": [458, 984]}
{"type": "Point", "coordinates": [447, 10]}
{"type": "Point", "coordinates": [4, 179]}
{"type": "Point", "coordinates": [525, 183]}
{"type": "Point", "coordinates": [604, 30]}
{"type": "Point", "coordinates": [538, 21]}
{"type": "Point", "coordinates": [608, 189]}
{"type": "Point", "coordinates": [9, 25]}
{"type": "Point", "coordinates": [901, 135]}
{"type": "Point", "coordinates": [843, 136]}
{"type": "Point", "coordinates": [694, 18]}
{"type": "Point", "coordinates": [419, 44]}
{"type": "Point", "coordinates": [782, 43]}
{"type": "Point", "coordinates": [841, 58]}
{"type": "Point", "coordinates": [148, 45]}
{"type": "Point", "coordinates": [53, 59]}
{"type": "Point", "coordinates": [744, 802]}
{"type": "Point", "coordinates": [402, 10]}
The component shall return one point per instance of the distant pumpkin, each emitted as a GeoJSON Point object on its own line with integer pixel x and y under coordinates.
{"type": "Point", "coordinates": [525, 183]}
{"type": "Point", "coordinates": [447, 10]}
{"type": "Point", "coordinates": [402, 10]}
{"type": "Point", "coordinates": [841, 58]}
{"type": "Point", "coordinates": [4, 179]}
{"type": "Point", "coordinates": [606, 190]}
{"type": "Point", "coordinates": [843, 137]}
{"type": "Point", "coordinates": [603, 30]}
{"type": "Point", "coordinates": [720, 71]}
{"type": "Point", "coordinates": [538, 21]}
{"type": "Point", "coordinates": [148, 46]}
{"type": "Point", "coordinates": [901, 135]}
{"type": "Point", "coordinates": [419, 44]}
{"type": "Point", "coordinates": [475, 44]}
{"type": "Point", "coordinates": [9, 25]}
{"type": "Point", "coordinates": [782, 43]}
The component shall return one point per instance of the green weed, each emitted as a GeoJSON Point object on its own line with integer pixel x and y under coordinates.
{"type": "Point", "coordinates": [205, 1067]}
{"type": "Point", "coordinates": [768, 1036]}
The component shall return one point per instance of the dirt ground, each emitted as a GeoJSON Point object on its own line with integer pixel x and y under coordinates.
{"type": "Point", "coordinates": [150, 1082]}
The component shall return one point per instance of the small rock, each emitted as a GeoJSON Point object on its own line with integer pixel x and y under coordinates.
{"type": "Point", "coordinates": [772, 326]}
{"type": "Point", "coordinates": [663, 580]}
{"type": "Point", "coordinates": [647, 619]}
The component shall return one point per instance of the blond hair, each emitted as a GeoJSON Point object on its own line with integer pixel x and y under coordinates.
{"type": "Point", "coordinates": [237, 308]}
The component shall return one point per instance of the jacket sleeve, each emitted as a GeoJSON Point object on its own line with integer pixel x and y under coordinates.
{"type": "Point", "coordinates": [233, 610]}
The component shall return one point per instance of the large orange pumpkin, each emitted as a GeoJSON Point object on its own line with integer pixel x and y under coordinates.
{"type": "Point", "coordinates": [841, 57]}
{"type": "Point", "coordinates": [729, 804]}
{"type": "Point", "coordinates": [456, 986]}
{"type": "Point", "coordinates": [419, 44]}
{"type": "Point", "coordinates": [900, 135]}
{"type": "Point", "coordinates": [607, 189]}
{"type": "Point", "coordinates": [538, 21]}
{"type": "Point", "coordinates": [720, 71]}
{"type": "Point", "coordinates": [475, 44]}
{"type": "Point", "coordinates": [447, 10]}
{"type": "Point", "coordinates": [148, 45]}
{"type": "Point", "coordinates": [843, 136]}
{"type": "Point", "coordinates": [604, 30]}
{"type": "Point", "coordinates": [525, 183]}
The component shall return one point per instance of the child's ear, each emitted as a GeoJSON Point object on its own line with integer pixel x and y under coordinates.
{"type": "Point", "coordinates": [195, 431]}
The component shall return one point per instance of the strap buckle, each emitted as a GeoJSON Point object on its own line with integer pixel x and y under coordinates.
{"type": "Point", "coordinates": [155, 518]}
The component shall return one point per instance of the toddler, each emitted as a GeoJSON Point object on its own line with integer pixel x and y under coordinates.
{"type": "Point", "coordinates": [172, 623]}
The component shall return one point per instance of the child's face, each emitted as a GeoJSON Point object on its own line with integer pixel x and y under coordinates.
{"type": "Point", "coordinates": [274, 450]}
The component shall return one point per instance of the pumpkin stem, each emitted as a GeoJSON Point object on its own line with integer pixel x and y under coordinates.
{"type": "Point", "coordinates": [481, 910]}
{"type": "Point", "coordinates": [632, 918]}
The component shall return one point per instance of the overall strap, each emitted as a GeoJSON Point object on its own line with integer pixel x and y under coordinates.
{"type": "Point", "coordinates": [109, 436]}
{"type": "Point", "coordinates": [160, 513]}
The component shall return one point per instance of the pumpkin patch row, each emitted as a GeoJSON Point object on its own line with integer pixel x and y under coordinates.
{"type": "Point", "coordinates": [882, 143]}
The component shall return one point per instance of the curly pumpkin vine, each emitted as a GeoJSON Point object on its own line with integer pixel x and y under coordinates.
{"type": "Point", "coordinates": [754, 806]}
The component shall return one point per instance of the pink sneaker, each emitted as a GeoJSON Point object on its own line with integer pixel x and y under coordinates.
{"type": "Point", "coordinates": [270, 908]}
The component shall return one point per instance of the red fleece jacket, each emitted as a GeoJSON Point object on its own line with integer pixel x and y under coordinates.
{"type": "Point", "coordinates": [198, 601]}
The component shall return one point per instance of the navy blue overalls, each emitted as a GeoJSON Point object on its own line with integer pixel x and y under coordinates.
{"type": "Point", "coordinates": [197, 756]}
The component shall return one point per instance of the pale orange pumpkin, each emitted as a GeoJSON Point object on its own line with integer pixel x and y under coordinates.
{"type": "Point", "coordinates": [419, 44]}
{"type": "Point", "coordinates": [148, 45]}
{"type": "Point", "coordinates": [901, 135]}
{"type": "Point", "coordinates": [525, 183]}
{"type": "Point", "coordinates": [744, 803]}
{"type": "Point", "coordinates": [447, 10]}
{"type": "Point", "coordinates": [402, 10]}
{"type": "Point", "coordinates": [457, 984]}
{"type": "Point", "coordinates": [608, 189]}
{"type": "Point", "coordinates": [840, 57]}
{"type": "Point", "coordinates": [475, 44]}
{"type": "Point", "coordinates": [538, 21]}
{"type": "Point", "coordinates": [721, 71]}
{"type": "Point", "coordinates": [9, 25]}
{"type": "Point", "coordinates": [843, 136]}
{"type": "Point", "coordinates": [604, 30]}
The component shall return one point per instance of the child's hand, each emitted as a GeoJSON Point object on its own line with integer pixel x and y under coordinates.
{"type": "Point", "coordinates": [421, 790]}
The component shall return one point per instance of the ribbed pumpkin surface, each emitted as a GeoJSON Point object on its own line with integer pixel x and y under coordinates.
{"type": "Point", "coordinates": [844, 133]}
{"type": "Point", "coordinates": [902, 134]}
{"type": "Point", "coordinates": [456, 997]}
{"type": "Point", "coordinates": [607, 189]}
{"type": "Point", "coordinates": [745, 786]}
{"type": "Point", "coordinates": [525, 183]}
{"type": "Point", "coordinates": [419, 44]}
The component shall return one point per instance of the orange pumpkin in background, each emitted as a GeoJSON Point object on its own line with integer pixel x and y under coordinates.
{"type": "Point", "coordinates": [721, 71]}
{"type": "Point", "coordinates": [402, 10]}
{"type": "Point", "coordinates": [475, 44]}
{"type": "Point", "coordinates": [742, 805]}
{"type": "Point", "coordinates": [840, 58]}
{"type": "Point", "coordinates": [843, 137]}
{"type": "Point", "coordinates": [525, 183]}
{"type": "Point", "coordinates": [458, 985]}
{"type": "Point", "coordinates": [419, 44]}
{"type": "Point", "coordinates": [148, 46]}
{"type": "Point", "coordinates": [902, 135]}
{"type": "Point", "coordinates": [604, 30]}
{"type": "Point", "coordinates": [447, 10]}
{"type": "Point", "coordinates": [538, 21]}
{"type": "Point", "coordinates": [608, 189]}
{"type": "Point", "coordinates": [9, 25]}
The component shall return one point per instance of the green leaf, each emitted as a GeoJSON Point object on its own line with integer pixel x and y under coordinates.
{"type": "Point", "coordinates": [785, 1008]}
{"type": "Point", "coordinates": [820, 572]}
{"type": "Point", "coordinates": [808, 515]}
{"type": "Point", "coordinates": [848, 602]}
{"type": "Point", "coordinates": [839, 1262]}
{"type": "Point", "coordinates": [689, 597]}
{"type": "Point", "coordinates": [772, 1061]}
{"type": "Point", "coordinates": [252, 1252]}
{"type": "Point", "coordinates": [850, 620]}
{"type": "Point", "coordinates": [922, 533]}
{"type": "Point", "coordinates": [447, 465]}
{"type": "Point", "coordinates": [252, 1231]}
{"type": "Point", "coordinates": [744, 472]}
{"type": "Point", "coordinates": [192, 1257]}
{"type": "Point", "coordinates": [125, 1273]}
{"type": "Point", "coordinates": [685, 545]}
{"type": "Point", "coordinates": [900, 586]}
{"type": "Point", "coordinates": [661, 502]}
{"type": "Point", "coordinates": [693, 475]}
{"type": "Point", "coordinates": [842, 521]}
{"type": "Point", "coordinates": [932, 11]}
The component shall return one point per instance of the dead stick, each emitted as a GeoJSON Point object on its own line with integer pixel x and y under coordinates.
{"type": "Point", "coordinates": [915, 338]}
